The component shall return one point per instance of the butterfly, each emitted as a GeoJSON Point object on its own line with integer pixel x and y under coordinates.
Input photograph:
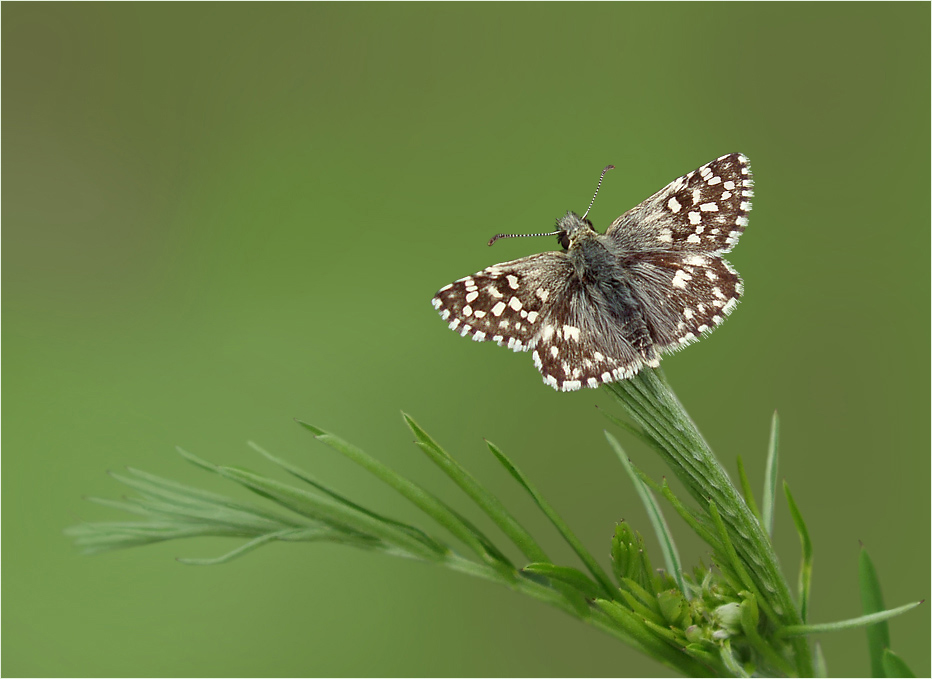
{"type": "Point", "coordinates": [606, 305]}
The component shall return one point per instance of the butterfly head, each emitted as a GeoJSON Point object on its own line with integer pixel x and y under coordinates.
{"type": "Point", "coordinates": [571, 227]}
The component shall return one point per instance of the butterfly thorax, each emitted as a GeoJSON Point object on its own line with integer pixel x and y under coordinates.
{"type": "Point", "coordinates": [589, 251]}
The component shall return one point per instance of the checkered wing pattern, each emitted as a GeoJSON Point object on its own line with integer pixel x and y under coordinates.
{"type": "Point", "coordinates": [613, 303]}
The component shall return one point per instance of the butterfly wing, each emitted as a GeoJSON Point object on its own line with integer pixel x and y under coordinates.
{"type": "Point", "coordinates": [593, 333]}
{"type": "Point", "coordinates": [505, 303]}
{"type": "Point", "coordinates": [704, 211]}
{"type": "Point", "coordinates": [683, 295]}
{"type": "Point", "coordinates": [539, 303]}
{"type": "Point", "coordinates": [676, 238]}
{"type": "Point", "coordinates": [668, 286]}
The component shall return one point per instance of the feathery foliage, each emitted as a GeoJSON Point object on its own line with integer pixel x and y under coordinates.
{"type": "Point", "coordinates": [736, 617]}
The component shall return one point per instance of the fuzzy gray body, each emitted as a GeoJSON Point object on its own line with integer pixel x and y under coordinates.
{"type": "Point", "coordinates": [611, 303]}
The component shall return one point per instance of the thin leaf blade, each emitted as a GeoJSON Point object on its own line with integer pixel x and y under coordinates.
{"type": "Point", "coordinates": [770, 474]}
{"type": "Point", "coordinates": [671, 556]}
{"type": "Point", "coordinates": [878, 635]}
{"type": "Point", "coordinates": [805, 568]}
{"type": "Point", "coordinates": [597, 572]}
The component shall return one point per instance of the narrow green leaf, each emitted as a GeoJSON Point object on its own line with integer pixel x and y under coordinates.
{"type": "Point", "coordinates": [635, 431]}
{"type": "Point", "coordinates": [196, 461]}
{"type": "Point", "coordinates": [646, 597]}
{"type": "Point", "coordinates": [197, 495]}
{"type": "Point", "coordinates": [671, 556]}
{"type": "Point", "coordinates": [308, 534]}
{"type": "Point", "coordinates": [878, 636]}
{"type": "Point", "coordinates": [635, 628]}
{"type": "Point", "coordinates": [728, 550]}
{"type": "Point", "coordinates": [893, 665]}
{"type": "Point", "coordinates": [638, 608]}
{"type": "Point", "coordinates": [177, 503]}
{"type": "Point", "coordinates": [735, 563]}
{"type": "Point", "coordinates": [821, 667]}
{"type": "Point", "coordinates": [487, 502]}
{"type": "Point", "coordinates": [691, 518]}
{"type": "Point", "coordinates": [526, 583]}
{"type": "Point", "coordinates": [770, 474]}
{"type": "Point", "coordinates": [299, 473]}
{"type": "Point", "coordinates": [421, 498]}
{"type": "Point", "coordinates": [666, 633]}
{"type": "Point", "coordinates": [851, 623]}
{"type": "Point", "coordinates": [561, 526]}
{"type": "Point", "coordinates": [731, 662]}
{"type": "Point", "coordinates": [805, 568]}
{"type": "Point", "coordinates": [705, 656]}
{"type": "Point", "coordinates": [749, 622]}
{"type": "Point", "coordinates": [576, 579]}
{"type": "Point", "coordinates": [338, 516]}
{"type": "Point", "coordinates": [747, 490]}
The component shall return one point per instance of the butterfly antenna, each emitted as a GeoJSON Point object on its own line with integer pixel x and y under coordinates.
{"type": "Point", "coordinates": [520, 235]}
{"type": "Point", "coordinates": [607, 168]}
{"type": "Point", "coordinates": [553, 233]}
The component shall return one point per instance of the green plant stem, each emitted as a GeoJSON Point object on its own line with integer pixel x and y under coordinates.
{"type": "Point", "coordinates": [653, 406]}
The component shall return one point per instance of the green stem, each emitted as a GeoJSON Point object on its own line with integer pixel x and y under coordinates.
{"type": "Point", "coordinates": [654, 406]}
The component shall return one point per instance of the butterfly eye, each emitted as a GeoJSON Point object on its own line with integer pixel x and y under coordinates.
{"type": "Point", "coordinates": [564, 239]}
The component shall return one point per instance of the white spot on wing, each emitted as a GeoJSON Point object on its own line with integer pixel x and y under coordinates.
{"type": "Point", "coordinates": [680, 279]}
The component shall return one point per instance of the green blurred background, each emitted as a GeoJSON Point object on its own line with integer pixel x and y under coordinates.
{"type": "Point", "coordinates": [220, 217]}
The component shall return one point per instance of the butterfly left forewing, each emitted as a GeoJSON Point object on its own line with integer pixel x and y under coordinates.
{"type": "Point", "coordinates": [504, 303]}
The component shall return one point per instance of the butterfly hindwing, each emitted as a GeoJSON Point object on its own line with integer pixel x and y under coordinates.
{"type": "Point", "coordinates": [684, 295]}
{"type": "Point", "coordinates": [592, 335]}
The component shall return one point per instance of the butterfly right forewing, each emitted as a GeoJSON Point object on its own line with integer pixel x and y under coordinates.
{"type": "Point", "coordinates": [705, 210]}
